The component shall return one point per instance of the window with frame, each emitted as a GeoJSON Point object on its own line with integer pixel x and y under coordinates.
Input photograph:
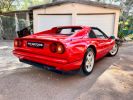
{"type": "Point", "coordinates": [99, 34]}
{"type": "Point", "coordinates": [68, 31]}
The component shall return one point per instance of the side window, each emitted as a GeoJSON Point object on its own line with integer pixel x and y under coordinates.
{"type": "Point", "coordinates": [92, 34]}
{"type": "Point", "coordinates": [99, 34]}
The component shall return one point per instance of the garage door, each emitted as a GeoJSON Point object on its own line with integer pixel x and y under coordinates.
{"type": "Point", "coordinates": [105, 22]}
{"type": "Point", "coordinates": [48, 21]}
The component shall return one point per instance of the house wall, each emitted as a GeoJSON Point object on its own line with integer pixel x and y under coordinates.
{"type": "Point", "coordinates": [75, 9]}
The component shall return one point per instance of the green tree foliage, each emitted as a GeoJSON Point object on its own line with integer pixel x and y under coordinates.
{"type": "Point", "coordinates": [126, 18]}
{"type": "Point", "coordinates": [11, 5]}
{"type": "Point", "coordinates": [6, 5]}
{"type": "Point", "coordinates": [27, 3]}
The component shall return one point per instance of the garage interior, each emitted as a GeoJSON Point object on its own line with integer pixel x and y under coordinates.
{"type": "Point", "coordinates": [76, 12]}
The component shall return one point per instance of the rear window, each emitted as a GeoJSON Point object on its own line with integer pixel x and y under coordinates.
{"type": "Point", "coordinates": [68, 31]}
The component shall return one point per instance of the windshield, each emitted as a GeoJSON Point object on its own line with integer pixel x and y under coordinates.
{"type": "Point", "coordinates": [68, 31]}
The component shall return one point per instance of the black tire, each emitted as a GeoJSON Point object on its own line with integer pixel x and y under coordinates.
{"type": "Point", "coordinates": [113, 54]}
{"type": "Point", "coordinates": [84, 67]}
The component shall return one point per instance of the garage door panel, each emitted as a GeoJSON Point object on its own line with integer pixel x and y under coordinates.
{"type": "Point", "coordinates": [104, 22]}
{"type": "Point", "coordinates": [46, 22]}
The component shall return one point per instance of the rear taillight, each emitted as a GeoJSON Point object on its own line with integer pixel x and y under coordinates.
{"type": "Point", "coordinates": [57, 48]}
{"type": "Point", "coordinates": [53, 47]}
{"type": "Point", "coordinates": [18, 43]}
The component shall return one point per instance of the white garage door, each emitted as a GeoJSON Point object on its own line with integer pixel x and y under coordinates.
{"type": "Point", "coordinates": [46, 22]}
{"type": "Point", "coordinates": [104, 22]}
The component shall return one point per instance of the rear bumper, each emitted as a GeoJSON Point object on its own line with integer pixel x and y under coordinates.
{"type": "Point", "coordinates": [58, 64]}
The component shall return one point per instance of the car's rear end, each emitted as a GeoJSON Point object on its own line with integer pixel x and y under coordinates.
{"type": "Point", "coordinates": [41, 51]}
{"type": "Point", "coordinates": [48, 50]}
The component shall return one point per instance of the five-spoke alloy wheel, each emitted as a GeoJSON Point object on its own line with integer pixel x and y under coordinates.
{"type": "Point", "coordinates": [88, 62]}
{"type": "Point", "coordinates": [114, 50]}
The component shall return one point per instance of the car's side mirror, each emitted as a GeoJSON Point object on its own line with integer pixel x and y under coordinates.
{"type": "Point", "coordinates": [112, 37]}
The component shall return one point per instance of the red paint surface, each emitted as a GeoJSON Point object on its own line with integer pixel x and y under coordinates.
{"type": "Point", "coordinates": [75, 48]}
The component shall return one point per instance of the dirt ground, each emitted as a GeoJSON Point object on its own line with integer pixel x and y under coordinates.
{"type": "Point", "coordinates": [112, 79]}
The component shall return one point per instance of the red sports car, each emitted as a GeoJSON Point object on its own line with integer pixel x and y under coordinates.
{"type": "Point", "coordinates": [66, 48]}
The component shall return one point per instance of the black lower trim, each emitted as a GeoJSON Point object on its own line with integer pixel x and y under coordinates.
{"type": "Point", "coordinates": [39, 65]}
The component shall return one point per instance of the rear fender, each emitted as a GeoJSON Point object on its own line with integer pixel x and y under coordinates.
{"type": "Point", "coordinates": [91, 46]}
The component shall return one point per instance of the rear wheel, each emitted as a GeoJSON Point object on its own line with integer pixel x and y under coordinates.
{"type": "Point", "coordinates": [88, 62]}
{"type": "Point", "coordinates": [114, 50]}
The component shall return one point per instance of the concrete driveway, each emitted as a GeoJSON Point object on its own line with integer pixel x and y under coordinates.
{"type": "Point", "coordinates": [112, 79]}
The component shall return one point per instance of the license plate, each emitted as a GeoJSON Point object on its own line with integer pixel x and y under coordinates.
{"type": "Point", "coordinates": [35, 44]}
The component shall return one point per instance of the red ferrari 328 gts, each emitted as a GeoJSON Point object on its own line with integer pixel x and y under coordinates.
{"type": "Point", "coordinates": [66, 48]}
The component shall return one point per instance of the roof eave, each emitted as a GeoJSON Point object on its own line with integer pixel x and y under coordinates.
{"type": "Point", "coordinates": [92, 3]}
